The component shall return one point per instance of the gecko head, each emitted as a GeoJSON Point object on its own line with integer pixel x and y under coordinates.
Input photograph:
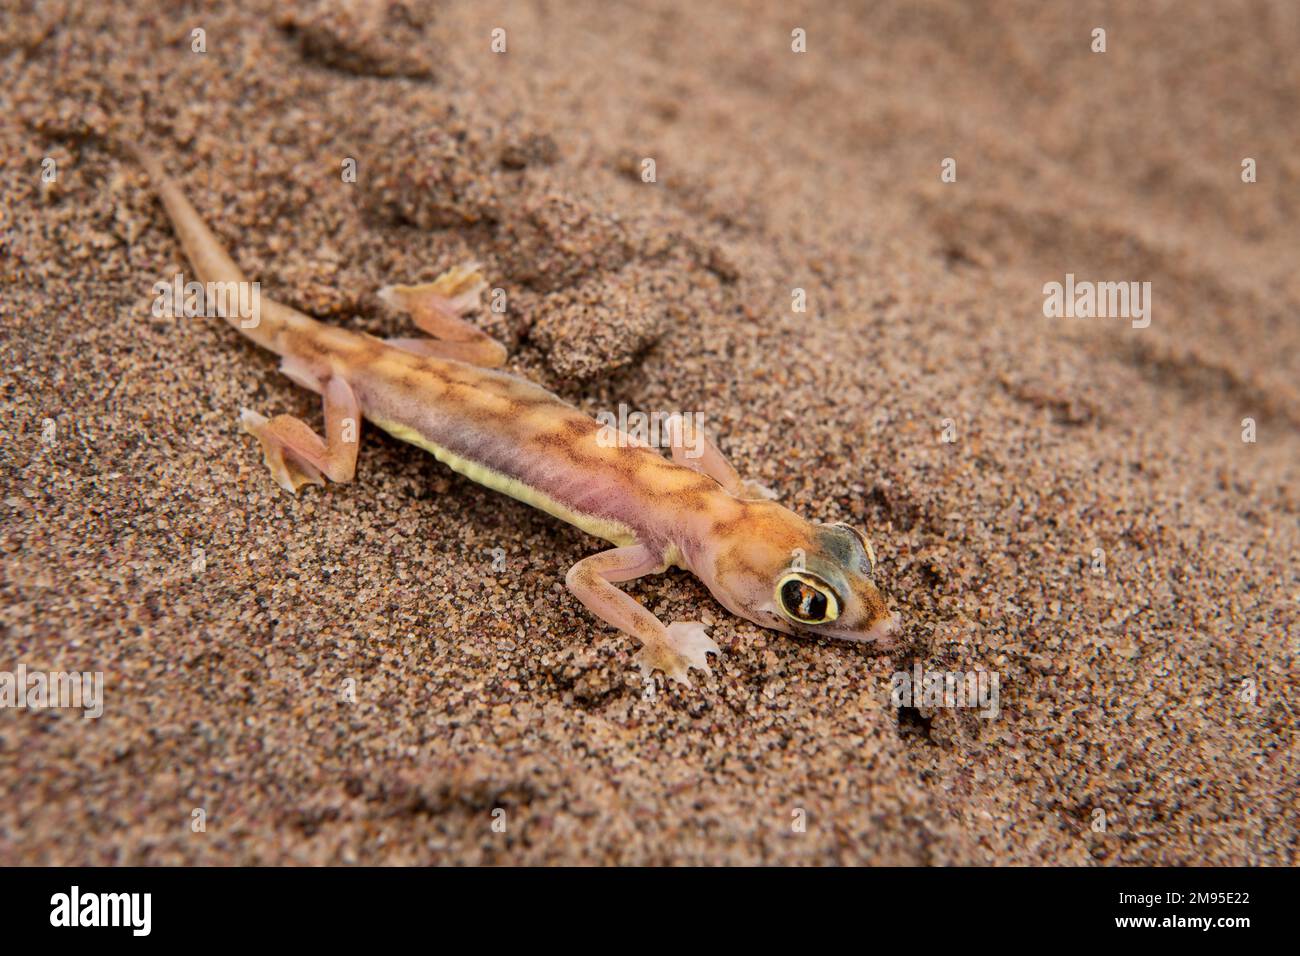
{"type": "Point", "coordinates": [789, 574]}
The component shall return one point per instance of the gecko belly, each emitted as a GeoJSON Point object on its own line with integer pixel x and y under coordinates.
{"type": "Point", "coordinates": [612, 531]}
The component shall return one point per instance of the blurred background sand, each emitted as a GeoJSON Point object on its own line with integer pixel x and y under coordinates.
{"type": "Point", "coordinates": [477, 689]}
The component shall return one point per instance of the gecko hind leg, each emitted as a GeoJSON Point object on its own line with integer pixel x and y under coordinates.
{"type": "Point", "coordinates": [673, 649]}
{"type": "Point", "coordinates": [692, 447]}
{"type": "Point", "coordinates": [296, 455]}
{"type": "Point", "coordinates": [438, 308]}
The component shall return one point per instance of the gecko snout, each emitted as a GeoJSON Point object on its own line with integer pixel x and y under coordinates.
{"type": "Point", "coordinates": [885, 631]}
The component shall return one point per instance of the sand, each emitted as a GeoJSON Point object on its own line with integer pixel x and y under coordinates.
{"type": "Point", "coordinates": [377, 672]}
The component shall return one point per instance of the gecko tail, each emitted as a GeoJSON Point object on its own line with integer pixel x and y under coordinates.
{"type": "Point", "coordinates": [203, 249]}
{"type": "Point", "coordinates": [232, 296]}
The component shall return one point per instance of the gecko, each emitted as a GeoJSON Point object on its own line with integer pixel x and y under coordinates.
{"type": "Point", "coordinates": [446, 392]}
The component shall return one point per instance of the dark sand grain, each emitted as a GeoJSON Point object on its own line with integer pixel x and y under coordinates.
{"type": "Point", "coordinates": [478, 689]}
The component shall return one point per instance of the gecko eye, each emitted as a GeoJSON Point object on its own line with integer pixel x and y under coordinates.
{"type": "Point", "coordinates": [807, 599]}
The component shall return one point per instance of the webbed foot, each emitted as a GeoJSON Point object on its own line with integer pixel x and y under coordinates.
{"type": "Point", "coordinates": [688, 645]}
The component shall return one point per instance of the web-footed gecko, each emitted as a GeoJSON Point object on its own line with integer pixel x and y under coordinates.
{"type": "Point", "coordinates": [446, 394]}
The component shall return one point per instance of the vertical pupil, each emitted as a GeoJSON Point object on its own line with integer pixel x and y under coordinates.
{"type": "Point", "coordinates": [803, 601]}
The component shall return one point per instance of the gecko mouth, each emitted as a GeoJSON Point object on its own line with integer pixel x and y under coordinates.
{"type": "Point", "coordinates": [884, 633]}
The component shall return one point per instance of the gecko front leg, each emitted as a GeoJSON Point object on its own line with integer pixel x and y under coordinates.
{"type": "Point", "coordinates": [692, 448]}
{"type": "Point", "coordinates": [672, 649]}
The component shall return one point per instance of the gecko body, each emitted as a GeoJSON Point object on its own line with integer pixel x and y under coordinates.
{"type": "Point", "coordinates": [447, 395]}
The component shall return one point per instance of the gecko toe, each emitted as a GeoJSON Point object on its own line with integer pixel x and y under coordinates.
{"type": "Point", "coordinates": [691, 641]}
{"type": "Point", "coordinates": [650, 659]}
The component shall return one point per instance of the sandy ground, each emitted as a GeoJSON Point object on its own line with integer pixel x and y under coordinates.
{"type": "Point", "coordinates": [1156, 693]}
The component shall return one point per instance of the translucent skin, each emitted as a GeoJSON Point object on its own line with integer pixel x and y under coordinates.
{"type": "Point", "coordinates": [505, 432]}
{"type": "Point", "coordinates": [743, 548]}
